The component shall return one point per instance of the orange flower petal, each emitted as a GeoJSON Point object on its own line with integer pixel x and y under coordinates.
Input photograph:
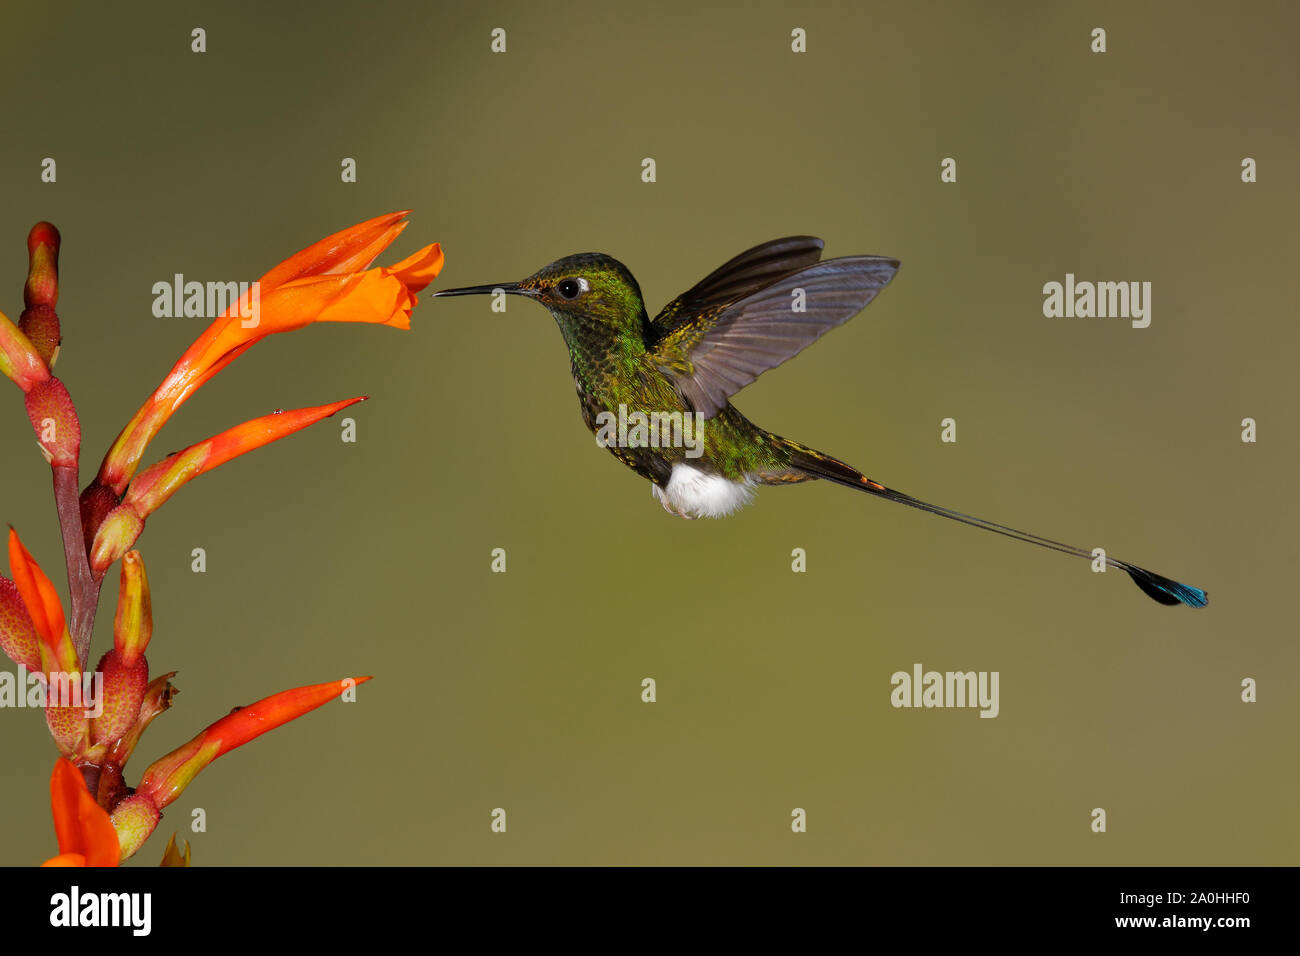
{"type": "Point", "coordinates": [418, 270]}
{"type": "Point", "coordinates": [43, 606]}
{"type": "Point", "coordinates": [380, 296]}
{"type": "Point", "coordinates": [371, 297]}
{"type": "Point", "coordinates": [65, 783]}
{"type": "Point", "coordinates": [349, 250]}
{"type": "Point", "coordinates": [82, 826]}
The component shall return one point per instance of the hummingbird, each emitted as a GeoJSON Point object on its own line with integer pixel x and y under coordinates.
{"type": "Point", "coordinates": [749, 315]}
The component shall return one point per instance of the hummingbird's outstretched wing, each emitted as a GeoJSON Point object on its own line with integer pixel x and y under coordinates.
{"type": "Point", "coordinates": [714, 353]}
{"type": "Point", "coordinates": [747, 273]}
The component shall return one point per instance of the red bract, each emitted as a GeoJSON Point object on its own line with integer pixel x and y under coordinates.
{"type": "Point", "coordinates": [18, 637]}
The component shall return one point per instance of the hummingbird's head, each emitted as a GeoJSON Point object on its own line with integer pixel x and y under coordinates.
{"type": "Point", "coordinates": [587, 291]}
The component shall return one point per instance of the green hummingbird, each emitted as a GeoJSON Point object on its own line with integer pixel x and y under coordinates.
{"type": "Point", "coordinates": [679, 370]}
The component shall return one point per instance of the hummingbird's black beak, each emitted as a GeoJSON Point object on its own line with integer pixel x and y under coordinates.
{"type": "Point", "coordinates": [510, 288]}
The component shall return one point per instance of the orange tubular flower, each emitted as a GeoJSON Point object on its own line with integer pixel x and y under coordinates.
{"type": "Point", "coordinates": [136, 817]}
{"type": "Point", "coordinates": [153, 486]}
{"type": "Point", "coordinates": [166, 778]}
{"type": "Point", "coordinates": [323, 283]}
{"type": "Point", "coordinates": [85, 833]}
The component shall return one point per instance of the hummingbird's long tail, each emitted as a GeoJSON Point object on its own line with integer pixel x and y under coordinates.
{"type": "Point", "coordinates": [1156, 586]}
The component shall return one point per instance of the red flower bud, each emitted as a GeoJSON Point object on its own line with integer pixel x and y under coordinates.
{"type": "Point", "coordinates": [42, 286]}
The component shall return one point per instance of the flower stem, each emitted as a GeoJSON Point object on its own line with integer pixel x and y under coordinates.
{"type": "Point", "coordinates": [83, 588]}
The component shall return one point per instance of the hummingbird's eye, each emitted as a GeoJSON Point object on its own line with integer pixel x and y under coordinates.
{"type": "Point", "coordinates": [571, 288]}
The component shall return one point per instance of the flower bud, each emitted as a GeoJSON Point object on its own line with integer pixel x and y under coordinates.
{"type": "Point", "coordinates": [114, 538]}
{"type": "Point", "coordinates": [42, 286]}
{"type": "Point", "coordinates": [133, 623]}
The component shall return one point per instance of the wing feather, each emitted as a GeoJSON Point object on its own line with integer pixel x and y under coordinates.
{"type": "Point", "coordinates": [743, 275]}
{"type": "Point", "coordinates": [729, 345]}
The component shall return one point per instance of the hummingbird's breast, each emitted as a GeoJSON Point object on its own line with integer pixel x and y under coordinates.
{"type": "Point", "coordinates": [638, 414]}
{"type": "Point", "coordinates": [614, 408]}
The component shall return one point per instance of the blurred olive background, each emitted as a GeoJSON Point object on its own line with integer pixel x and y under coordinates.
{"type": "Point", "coordinates": [522, 690]}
